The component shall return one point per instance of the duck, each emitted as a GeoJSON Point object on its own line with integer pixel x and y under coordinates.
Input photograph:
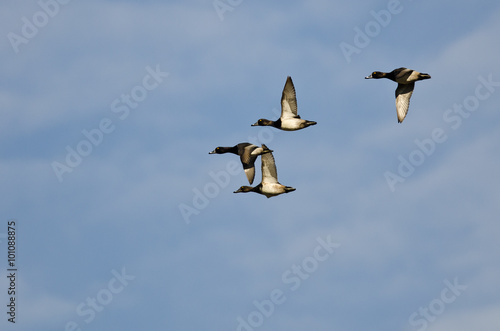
{"type": "Point", "coordinates": [248, 154]}
{"type": "Point", "coordinates": [269, 185]}
{"type": "Point", "coordinates": [406, 79]}
{"type": "Point", "coordinates": [289, 120]}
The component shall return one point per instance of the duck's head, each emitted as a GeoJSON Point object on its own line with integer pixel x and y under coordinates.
{"type": "Point", "coordinates": [244, 189]}
{"type": "Point", "coordinates": [263, 122]}
{"type": "Point", "coordinates": [376, 74]}
{"type": "Point", "coordinates": [217, 150]}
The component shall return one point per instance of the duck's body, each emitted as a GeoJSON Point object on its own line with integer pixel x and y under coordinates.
{"type": "Point", "coordinates": [269, 186]}
{"type": "Point", "coordinates": [406, 79]}
{"type": "Point", "coordinates": [248, 154]}
{"type": "Point", "coordinates": [289, 120]}
{"type": "Point", "coordinates": [268, 189]}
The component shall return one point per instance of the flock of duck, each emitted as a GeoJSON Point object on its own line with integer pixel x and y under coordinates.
{"type": "Point", "coordinates": [291, 121]}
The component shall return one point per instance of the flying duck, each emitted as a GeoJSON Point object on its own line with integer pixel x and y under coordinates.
{"type": "Point", "coordinates": [406, 79]}
{"type": "Point", "coordinates": [269, 185]}
{"type": "Point", "coordinates": [289, 120]}
{"type": "Point", "coordinates": [248, 154]}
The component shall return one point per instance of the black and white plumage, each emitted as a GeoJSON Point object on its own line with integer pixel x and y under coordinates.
{"type": "Point", "coordinates": [289, 120]}
{"type": "Point", "coordinates": [269, 186]}
{"type": "Point", "coordinates": [248, 154]}
{"type": "Point", "coordinates": [406, 79]}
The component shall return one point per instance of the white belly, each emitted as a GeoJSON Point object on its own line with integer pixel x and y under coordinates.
{"type": "Point", "coordinates": [292, 124]}
{"type": "Point", "coordinates": [272, 189]}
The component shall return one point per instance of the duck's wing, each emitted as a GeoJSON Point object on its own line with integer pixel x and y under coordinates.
{"type": "Point", "coordinates": [244, 151]}
{"type": "Point", "coordinates": [247, 159]}
{"type": "Point", "coordinates": [269, 173]}
{"type": "Point", "coordinates": [403, 95]}
{"type": "Point", "coordinates": [288, 100]}
{"type": "Point", "coordinates": [250, 172]}
{"type": "Point", "coordinates": [401, 74]}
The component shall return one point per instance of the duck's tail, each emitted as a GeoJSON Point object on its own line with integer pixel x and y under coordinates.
{"type": "Point", "coordinates": [266, 149]}
{"type": "Point", "coordinates": [423, 76]}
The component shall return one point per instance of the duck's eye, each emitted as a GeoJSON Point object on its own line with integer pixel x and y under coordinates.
{"type": "Point", "coordinates": [374, 73]}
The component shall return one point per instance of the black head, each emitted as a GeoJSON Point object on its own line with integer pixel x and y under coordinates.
{"type": "Point", "coordinates": [218, 150]}
{"type": "Point", "coordinates": [222, 150]}
{"type": "Point", "coordinates": [263, 122]}
{"type": "Point", "coordinates": [376, 74]}
{"type": "Point", "coordinates": [244, 189]}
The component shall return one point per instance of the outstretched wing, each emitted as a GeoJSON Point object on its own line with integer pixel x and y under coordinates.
{"type": "Point", "coordinates": [269, 173]}
{"type": "Point", "coordinates": [244, 151]}
{"type": "Point", "coordinates": [403, 95]}
{"type": "Point", "coordinates": [401, 74]}
{"type": "Point", "coordinates": [247, 159]}
{"type": "Point", "coordinates": [288, 100]}
{"type": "Point", "coordinates": [250, 172]}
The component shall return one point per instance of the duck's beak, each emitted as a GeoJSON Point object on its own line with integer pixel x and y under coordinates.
{"type": "Point", "coordinates": [255, 124]}
{"type": "Point", "coordinates": [368, 77]}
{"type": "Point", "coordinates": [212, 152]}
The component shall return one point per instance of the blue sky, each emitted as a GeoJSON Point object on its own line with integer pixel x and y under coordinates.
{"type": "Point", "coordinates": [108, 112]}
